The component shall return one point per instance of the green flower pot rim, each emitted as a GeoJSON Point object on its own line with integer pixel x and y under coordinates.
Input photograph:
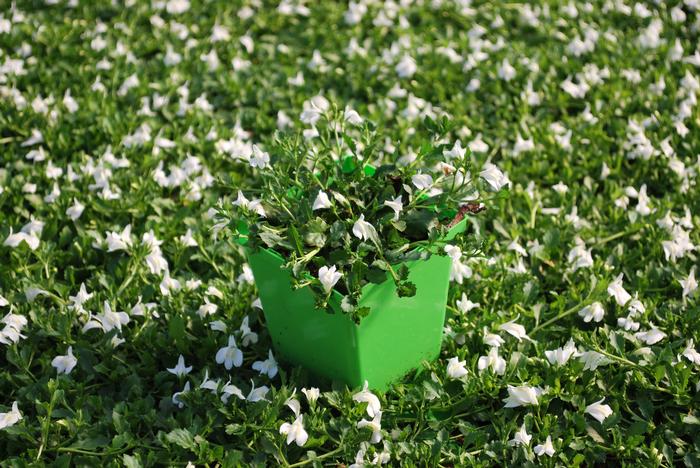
{"type": "Point", "coordinates": [336, 297]}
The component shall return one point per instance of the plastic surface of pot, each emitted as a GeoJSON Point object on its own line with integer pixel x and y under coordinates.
{"type": "Point", "coordinates": [397, 335]}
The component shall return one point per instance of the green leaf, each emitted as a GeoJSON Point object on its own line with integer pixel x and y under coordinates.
{"type": "Point", "coordinates": [418, 223]}
{"type": "Point", "coordinates": [181, 437]}
{"type": "Point", "coordinates": [403, 271]}
{"type": "Point", "coordinates": [296, 240]}
{"type": "Point", "coordinates": [91, 443]}
{"type": "Point", "coordinates": [131, 461]}
{"type": "Point", "coordinates": [176, 328]}
{"type": "Point", "coordinates": [406, 289]}
{"type": "Point", "coordinates": [360, 312]}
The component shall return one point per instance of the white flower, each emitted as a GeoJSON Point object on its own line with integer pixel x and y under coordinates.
{"type": "Point", "coordinates": [74, 212]}
{"type": "Point", "coordinates": [328, 277]}
{"type": "Point", "coordinates": [10, 335]}
{"type": "Point", "coordinates": [506, 72]}
{"type": "Point", "coordinates": [175, 7]}
{"type": "Point", "coordinates": [494, 361]}
{"type": "Point", "coordinates": [375, 425]}
{"type": "Point", "coordinates": [521, 437]}
{"type": "Point", "coordinates": [11, 417]}
{"type": "Point", "coordinates": [360, 456]}
{"type": "Point", "coordinates": [168, 284]}
{"type": "Point", "coordinates": [268, 366]}
{"type": "Point", "coordinates": [314, 107]}
{"type": "Point", "coordinates": [351, 116]}
{"type": "Point", "coordinates": [155, 261]}
{"type": "Point", "coordinates": [517, 330]}
{"type": "Point", "coordinates": [257, 394]}
{"type": "Point", "coordinates": [322, 201]}
{"type": "Point", "coordinates": [516, 247]}
{"type": "Point", "coordinates": [396, 204]}
{"type": "Point", "coordinates": [76, 302]}
{"type": "Point", "coordinates": [491, 339]}
{"type": "Point", "coordinates": [65, 364]}
{"type": "Point", "coordinates": [635, 307]}
{"type": "Point", "coordinates": [188, 239]}
{"type": "Point", "coordinates": [545, 449]}
{"type": "Point", "coordinates": [16, 321]}
{"type": "Point", "coordinates": [230, 355]}
{"type": "Point", "coordinates": [311, 113]}
{"type": "Point", "coordinates": [561, 188]}
{"type": "Point", "coordinates": [295, 431]}
{"type": "Point", "coordinates": [108, 320]}
{"type": "Point", "coordinates": [643, 202]}
{"type": "Point", "coordinates": [34, 138]}
{"type": "Point", "coordinates": [598, 411]}
{"type": "Point", "coordinates": [241, 200]}
{"type": "Point", "coordinates": [218, 325]}
{"type": "Point", "coordinates": [365, 396]}
{"type": "Point", "coordinates": [207, 308]}
{"type": "Point", "coordinates": [364, 230]}
{"type": "Point", "coordinates": [247, 335]}
{"type": "Point", "coordinates": [580, 257]}
{"type": "Point", "coordinates": [522, 145]}
{"type": "Point", "coordinates": [592, 360]}
{"type": "Point", "coordinates": [14, 324]}
{"type": "Point", "coordinates": [494, 177]}
{"type": "Point", "coordinates": [407, 67]}
{"type": "Point", "coordinates": [13, 240]}
{"type": "Point", "coordinates": [594, 312]}
{"type": "Point", "coordinates": [691, 354]}
{"type": "Point", "coordinates": [312, 394]}
{"type": "Point", "coordinates": [627, 323]}
{"type": "Point", "coordinates": [522, 395]}
{"type": "Point", "coordinates": [690, 284]}
{"type": "Point", "coordinates": [139, 309]}
{"type": "Point", "coordinates": [246, 276]}
{"type": "Point", "coordinates": [456, 152]}
{"type": "Point", "coordinates": [230, 389]}
{"type": "Point", "coordinates": [465, 305]}
{"type": "Point", "coordinates": [209, 384]}
{"type": "Point", "coordinates": [616, 290]}
{"type": "Point", "coordinates": [561, 356]}
{"type": "Point", "coordinates": [119, 240]}
{"type": "Point", "coordinates": [422, 181]}
{"type": "Point", "coordinates": [176, 396]}
{"type": "Point", "coordinates": [180, 369]}
{"type": "Point", "coordinates": [650, 337]}
{"type": "Point", "coordinates": [216, 292]}
{"type": "Point", "coordinates": [458, 270]}
{"type": "Point", "coordinates": [455, 368]}
{"type": "Point", "coordinates": [32, 293]}
{"type": "Point", "coordinates": [259, 158]}
{"type": "Point", "coordinates": [34, 226]}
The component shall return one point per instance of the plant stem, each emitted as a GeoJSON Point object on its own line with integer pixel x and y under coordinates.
{"type": "Point", "coordinates": [566, 313]}
{"type": "Point", "coordinates": [320, 457]}
{"type": "Point", "coordinates": [46, 426]}
{"type": "Point", "coordinates": [605, 240]}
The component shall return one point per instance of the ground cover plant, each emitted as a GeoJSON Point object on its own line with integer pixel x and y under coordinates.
{"type": "Point", "coordinates": [131, 331]}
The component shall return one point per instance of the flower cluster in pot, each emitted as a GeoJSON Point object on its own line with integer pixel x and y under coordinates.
{"type": "Point", "coordinates": [345, 213]}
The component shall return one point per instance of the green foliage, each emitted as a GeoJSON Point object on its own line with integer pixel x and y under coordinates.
{"type": "Point", "coordinates": [612, 172]}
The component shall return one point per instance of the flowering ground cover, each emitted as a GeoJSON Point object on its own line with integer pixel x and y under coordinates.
{"type": "Point", "coordinates": [132, 333]}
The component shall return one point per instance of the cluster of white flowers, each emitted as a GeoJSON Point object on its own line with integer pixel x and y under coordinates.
{"type": "Point", "coordinates": [374, 411]}
{"type": "Point", "coordinates": [13, 325]}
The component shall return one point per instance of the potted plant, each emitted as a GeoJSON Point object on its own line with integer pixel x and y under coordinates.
{"type": "Point", "coordinates": [353, 260]}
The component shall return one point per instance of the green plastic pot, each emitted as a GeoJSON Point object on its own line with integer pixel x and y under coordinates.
{"type": "Point", "coordinates": [397, 335]}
